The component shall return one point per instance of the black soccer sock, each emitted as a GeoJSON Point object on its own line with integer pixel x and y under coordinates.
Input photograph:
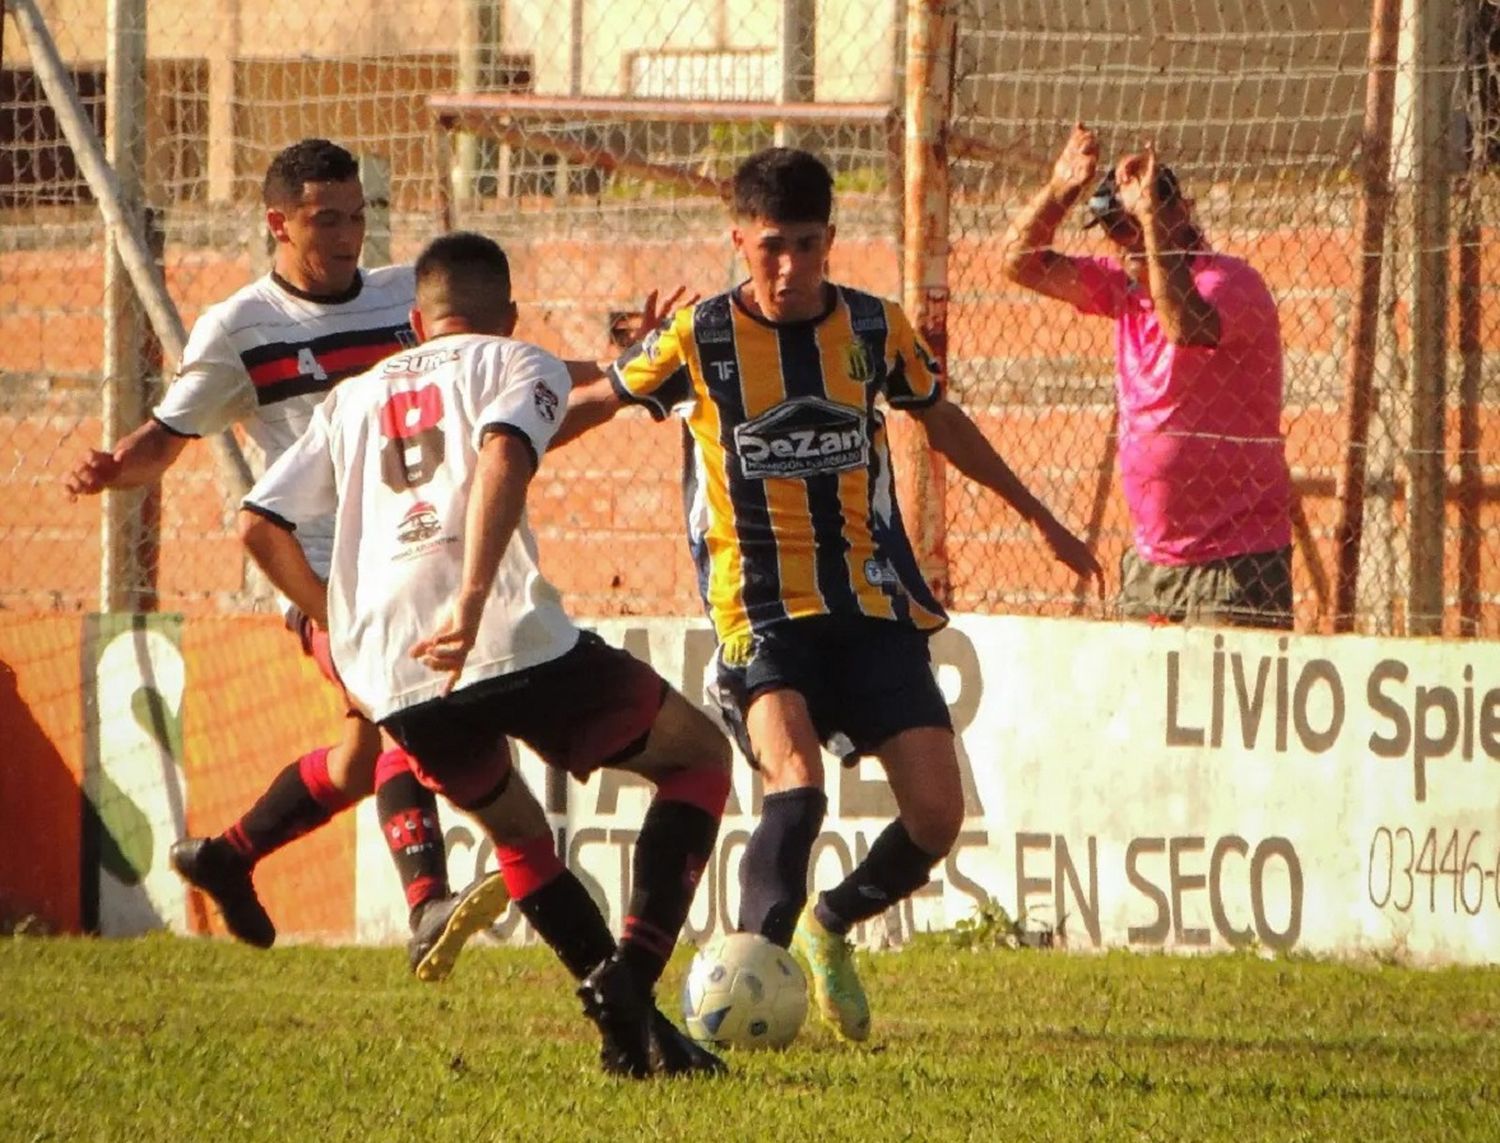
{"type": "Point", "coordinates": [298, 801]}
{"type": "Point", "coordinates": [676, 840]}
{"type": "Point", "coordinates": [408, 816]}
{"type": "Point", "coordinates": [569, 922]}
{"type": "Point", "coordinates": [773, 871]}
{"type": "Point", "coordinates": [893, 870]}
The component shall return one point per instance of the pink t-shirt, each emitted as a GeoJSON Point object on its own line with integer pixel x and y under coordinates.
{"type": "Point", "coordinates": [1202, 459]}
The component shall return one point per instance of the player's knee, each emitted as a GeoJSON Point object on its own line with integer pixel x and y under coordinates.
{"type": "Point", "coordinates": [470, 772]}
{"type": "Point", "coordinates": [790, 770]}
{"type": "Point", "coordinates": [700, 786]}
{"type": "Point", "coordinates": [353, 782]}
{"type": "Point", "coordinates": [951, 823]}
{"type": "Point", "coordinates": [514, 818]}
{"type": "Point", "coordinates": [475, 787]}
{"type": "Point", "coordinates": [934, 825]}
{"type": "Point", "coordinates": [352, 764]}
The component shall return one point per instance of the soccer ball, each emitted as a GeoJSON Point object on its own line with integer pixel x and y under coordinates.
{"type": "Point", "coordinates": [742, 991]}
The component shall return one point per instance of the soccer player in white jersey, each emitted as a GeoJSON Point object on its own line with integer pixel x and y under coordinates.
{"type": "Point", "coordinates": [263, 359]}
{"type": "Point", "coordinates": [444, 629]}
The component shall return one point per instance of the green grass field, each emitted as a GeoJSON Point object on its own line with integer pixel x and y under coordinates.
{"type": "Point", "coordinates": [164, 1038]}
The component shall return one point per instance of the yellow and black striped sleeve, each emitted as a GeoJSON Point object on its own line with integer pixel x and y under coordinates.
{"type": "Point", "coordinates": [655, 372]}
{"type": "Point", "coordinates": [915, 377]}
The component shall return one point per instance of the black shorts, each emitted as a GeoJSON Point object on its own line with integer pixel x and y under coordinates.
{"type": "Point", "coordinates": [865, 680]}
{"type": "Point", "coordinates": [591, 707]}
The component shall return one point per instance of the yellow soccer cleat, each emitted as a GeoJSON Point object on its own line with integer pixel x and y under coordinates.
{"type": "Point", "coordinates": [836, 989]}
{"type": "Point", "coordinates": [445, 925]}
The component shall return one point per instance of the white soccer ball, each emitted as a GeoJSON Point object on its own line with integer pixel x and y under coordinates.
{"type": "Point", "coordinates": [742, 991]}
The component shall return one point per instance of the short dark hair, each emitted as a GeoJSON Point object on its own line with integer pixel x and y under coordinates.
{"type": "Point", "coordinates": [782, 184]}
{"type": "Point", "coordinates": [308, 161]}
{"type": "Point", "coordinates": [466, 275]}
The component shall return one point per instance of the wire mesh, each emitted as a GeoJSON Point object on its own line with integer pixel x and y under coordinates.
{"type": "Point", "coordinates": [1260, 109]}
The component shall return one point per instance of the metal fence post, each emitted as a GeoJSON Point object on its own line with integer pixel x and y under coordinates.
{"type": "Point", "coordinates": [931, 32]}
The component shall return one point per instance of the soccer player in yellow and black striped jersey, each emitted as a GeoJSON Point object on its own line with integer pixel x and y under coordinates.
{"type": "Point", "coordinates": [793, 511]}
{"type": "Point", "coordinates": [821, 613]}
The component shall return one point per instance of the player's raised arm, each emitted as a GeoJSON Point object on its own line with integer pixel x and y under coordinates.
{"type": "Point", "coordinates": [652, 372]}
{"type": "Point", "coordinates": [628, 328]}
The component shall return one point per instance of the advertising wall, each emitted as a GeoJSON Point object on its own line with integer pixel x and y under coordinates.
{"type": "Point", "coordinates": [1156, 788]}
{"type": "Point", "coordinates": [1153, 788]}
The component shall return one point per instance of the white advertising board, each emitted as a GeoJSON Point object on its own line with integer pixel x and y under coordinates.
{"type": "Point", "coordinates": [1156, 788]}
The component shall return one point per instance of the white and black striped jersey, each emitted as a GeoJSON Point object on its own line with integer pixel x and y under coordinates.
{"type": "Point", "coordinates": [392, 456]}
{"type": "Point", "coordinates": [265, 357]}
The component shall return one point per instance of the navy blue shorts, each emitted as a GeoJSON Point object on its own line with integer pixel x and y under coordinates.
{"type": "Point", "coordinates": [865, 680]}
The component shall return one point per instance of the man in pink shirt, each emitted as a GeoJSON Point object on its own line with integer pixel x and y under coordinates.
{"type": "Point", "coordinates": [1198, 380]}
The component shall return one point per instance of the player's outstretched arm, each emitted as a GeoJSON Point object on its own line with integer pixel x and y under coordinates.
{"type": "Point", "coordinates": [138, 460]}
{"type": "Point", "coordinates": [628, 329]}
{"type": "Point", "coordinates": [589, 406]}
{"type": "Point", "coordinates": [653, 373]}
{"type": "Point", "coordinates": [275, 550]}
{"type": "Point", "coordinates": [952, 433]}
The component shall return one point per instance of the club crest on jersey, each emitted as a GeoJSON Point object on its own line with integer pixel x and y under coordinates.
{"type": "Point", "coordinates": [802, 437]}
{"type": "Point", "coordinates": [857, 362]}
{"type": "Point", "coordinates": [712, 322]}
{"type": "Point", "coordinates": [546, 402]}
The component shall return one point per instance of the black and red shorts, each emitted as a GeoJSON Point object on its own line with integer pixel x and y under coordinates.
{"type": "Point", "coordinates": [591, 707]}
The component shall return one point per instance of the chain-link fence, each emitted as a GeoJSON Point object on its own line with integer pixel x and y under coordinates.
{"type": "Point", "coordinates": [1295, 130]}
{"type": "Point", "coordinates": [1342, 148]}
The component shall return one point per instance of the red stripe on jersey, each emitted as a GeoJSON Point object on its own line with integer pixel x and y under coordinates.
{"type": "Point", "coordinates": [342, 362]}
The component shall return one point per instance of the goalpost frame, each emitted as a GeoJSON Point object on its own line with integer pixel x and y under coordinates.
{"type": "Point", "coordinates": [502, 116]}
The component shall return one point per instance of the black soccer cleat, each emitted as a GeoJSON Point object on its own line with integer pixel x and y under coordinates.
{"type": "Point", "coordinates": [674, 1053]}
{"type": "Point", "coordinates": [213, 868]}
{"type": "Point", "coordinates": [446, 924]}
{"type": "Point", "coordinates": [621, 1010]}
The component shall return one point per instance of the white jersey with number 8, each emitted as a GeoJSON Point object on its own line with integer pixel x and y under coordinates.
{"type": "Point", "coordinates": [391, 454]}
